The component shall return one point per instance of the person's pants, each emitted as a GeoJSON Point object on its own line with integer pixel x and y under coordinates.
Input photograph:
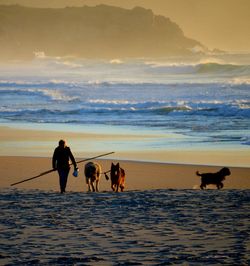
{"type": "Point", "coordinates": [63, 177]}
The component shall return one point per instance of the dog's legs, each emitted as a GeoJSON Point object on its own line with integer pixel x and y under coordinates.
{"type": "Point", "coordinates": [88, 183]}
{"type": "Point", "coordinates": [202, 186]}
{"type": "Point", "coordinates": [219, 185]}
{"type": "Point", "coordinates": [92, 186]}
{"type": "Point", "coordinates": [97, 185]}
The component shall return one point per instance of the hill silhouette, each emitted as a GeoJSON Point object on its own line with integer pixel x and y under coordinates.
{"type": "Point", "coordinates": [92, 32]}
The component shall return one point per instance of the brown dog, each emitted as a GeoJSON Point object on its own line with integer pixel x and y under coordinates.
{"type": "Point", "coordinates": [92, 173]}
{"type": "Point", "coordinates": [214, 178]}
{"type": "Point", "coordinates": [117, 176]}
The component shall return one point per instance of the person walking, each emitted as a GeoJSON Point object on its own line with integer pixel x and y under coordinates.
{"type": "Point", "coordinates": [61, 162]}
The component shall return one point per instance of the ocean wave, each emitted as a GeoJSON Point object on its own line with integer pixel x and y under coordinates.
{"type": "Point", "coordinates": [201, 110]}
{"type": "Point", "coordinates": [171, 68]}
{"type": "Point", "coordinates": [54, 95]}
{"type": "Point", "coordinates": [223, 68]}
{"type": "Point", "coordinates": [60, 84]}
{"type": "Point", "coordinates": [125, 108]}
{"type": "Point", "coordinates": [240, 81]}
{"type": "Point", "coordinates": [116, 61]}
{"type": "Point", "coordinates": [74, 72]}
{"type": "Point", "coordinates": [198, 68]}
{"type": "Point", "coordinates": [38, 84]}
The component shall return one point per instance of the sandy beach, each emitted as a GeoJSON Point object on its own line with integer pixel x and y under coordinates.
{"type": "Point", "coordinates": [139, 175]}
{"type": "Point", "coordinates": [162, 218]}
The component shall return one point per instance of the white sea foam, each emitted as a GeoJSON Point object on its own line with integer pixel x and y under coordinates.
{"type": "Point", "coordinates": [116, 61]}
{"type": "Point", "coordinates": [71, 64]}
{"type": "Point", "coordinates": [204, 66]}
{"type": "Point", "coordinates": [240, 80]}
{"type": "Point", "coordinates": [113, 102]}
{"type": "Point", "coordinates": [56, 95]}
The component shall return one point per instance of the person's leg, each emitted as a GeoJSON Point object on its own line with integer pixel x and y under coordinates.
{"type": "Point", "coordinates": [63, 175]}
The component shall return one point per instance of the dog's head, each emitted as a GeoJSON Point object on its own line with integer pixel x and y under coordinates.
{"type": "Point", "coordinates": [224, 172]}
{"type": "Point", "coordinates": [115, 169]}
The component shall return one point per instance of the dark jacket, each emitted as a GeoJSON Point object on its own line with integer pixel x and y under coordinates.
{"type": "Point", "coordinates": [61, 158]}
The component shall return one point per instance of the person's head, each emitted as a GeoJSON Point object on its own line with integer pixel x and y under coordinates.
{"type": "Point", "coordinates": [62, 143]}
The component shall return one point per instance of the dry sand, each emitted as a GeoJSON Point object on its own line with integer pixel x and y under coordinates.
{"type": "Point", "coordinates": [139, 175]}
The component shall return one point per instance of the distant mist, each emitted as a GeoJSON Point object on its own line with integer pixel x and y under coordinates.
{"type": "Point", "coordinates": [89, 32]}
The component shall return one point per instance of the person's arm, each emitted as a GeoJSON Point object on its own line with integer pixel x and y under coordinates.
{"type": "Point", "coordinates": [54, 159]}
{"type": "Point", "coordinates": [71, 156]}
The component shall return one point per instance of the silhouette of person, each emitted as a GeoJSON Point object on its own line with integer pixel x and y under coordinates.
{"type": "Point", "coordinates": [61, 162]}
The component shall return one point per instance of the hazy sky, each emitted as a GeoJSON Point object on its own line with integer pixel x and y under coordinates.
{"type": "Point", "coordinates": [223, 24]}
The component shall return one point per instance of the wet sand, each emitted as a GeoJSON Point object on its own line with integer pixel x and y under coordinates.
{"type": "Point", "coordinates": [40, 142]}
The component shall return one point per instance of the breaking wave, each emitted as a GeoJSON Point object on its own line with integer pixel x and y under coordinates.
{"type": "Point", "coordinates": [223, 68]}
{"type": "Point", "coordinates": [124, 112]}
{"type": "Point", "coordinates": [55, 95]}
{"type": "Point", "coordinates": [199, 68]}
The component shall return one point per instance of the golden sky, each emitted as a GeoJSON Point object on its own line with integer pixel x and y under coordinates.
{"type": "Point", "coordinates": [222, 24]}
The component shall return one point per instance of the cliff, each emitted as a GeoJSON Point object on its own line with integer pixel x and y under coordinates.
{"type": "Point", "coordinates": [92, 32]}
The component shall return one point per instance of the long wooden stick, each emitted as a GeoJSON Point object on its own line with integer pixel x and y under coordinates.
{"type": "Point", "coordinates": [41, 174]}
{"type": "Point", "coordinates": [52, 170]}
{"type": "Point", "coordinates": [105, 154]}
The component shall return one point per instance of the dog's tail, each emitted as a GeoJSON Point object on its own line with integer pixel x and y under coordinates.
{"type": "Point", "coordinates": [197, 173]}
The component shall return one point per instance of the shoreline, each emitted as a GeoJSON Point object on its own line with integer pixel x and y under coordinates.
{"type": "Point", "coordinates": [40, 142]}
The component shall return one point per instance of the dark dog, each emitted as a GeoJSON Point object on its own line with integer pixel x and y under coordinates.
{"type": "Point", "coordinates": [92, 173]}
{"type": "Point", "coordinates": [117, 176]}
{"type": "Point", "coordinates": [214, 178]}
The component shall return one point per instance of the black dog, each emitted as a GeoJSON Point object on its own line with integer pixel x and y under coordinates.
{"type": "Point", "coordinates": [214, 178]}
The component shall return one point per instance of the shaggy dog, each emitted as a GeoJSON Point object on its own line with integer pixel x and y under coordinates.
{"type": "Point", "coordinates": [214, 178]}
{"type": "Point", "coordinates": [92, 173]}
{"type": "Point", "coordinates": [117, 176]}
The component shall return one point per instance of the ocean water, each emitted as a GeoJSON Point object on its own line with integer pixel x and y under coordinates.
{"type": "Point", "coordinates": [152, 227]}
{"type": "Point", "coordinates": [192, 101]}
